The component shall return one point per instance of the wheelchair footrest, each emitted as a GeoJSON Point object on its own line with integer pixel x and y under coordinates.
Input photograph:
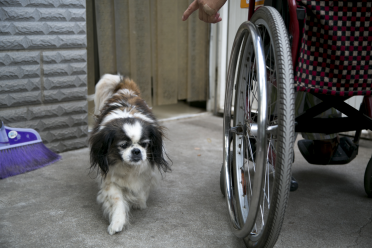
{"type": "Point", "coordinates": [346, 152]}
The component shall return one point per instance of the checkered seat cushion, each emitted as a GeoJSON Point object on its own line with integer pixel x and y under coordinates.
{"type": "Point", "coordinates": [335, 56]}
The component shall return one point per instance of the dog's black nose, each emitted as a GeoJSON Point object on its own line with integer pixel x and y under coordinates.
{"type": "Point", "coordinates": [136, 151]}
{"type": "Point", "coordinates": [136, 155]}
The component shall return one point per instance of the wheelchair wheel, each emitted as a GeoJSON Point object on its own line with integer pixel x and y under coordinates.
{"type": "Point", "coordinates": [368, 179]}
{"type": "Point", "coordinates": [260, 134]}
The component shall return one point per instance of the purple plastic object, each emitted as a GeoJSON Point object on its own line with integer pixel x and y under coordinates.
{"type": "Point", "coordinates": [22, 150]}
{"type": "Point", "coordinates": [13, 137]}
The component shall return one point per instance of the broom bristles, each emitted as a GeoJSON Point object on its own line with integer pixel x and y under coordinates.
{"type": "Point", "coordinates": [18, 160]}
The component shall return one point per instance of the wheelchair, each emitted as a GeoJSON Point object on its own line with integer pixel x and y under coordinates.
{"type": "Point", "coordinates": [259, 122]}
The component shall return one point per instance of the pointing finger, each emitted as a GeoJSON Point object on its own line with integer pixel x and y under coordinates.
{"type": "Point", "coordinates": [192, 7]}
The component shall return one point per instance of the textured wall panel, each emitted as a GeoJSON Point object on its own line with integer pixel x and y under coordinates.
{"type": "Point", "coordinates": [42, 42]}
{"type": "Point", "coordinates": [19, 99]}
{"type": "Point", "coordinates": [42, 28]}
{"type": "Point", "coordinates": [64, 57]}
{"type": "Point", "coordinates": [16, 86]}
{"type": "Point", "coordinates": [46, 124]}
{"type": "Point", "coordinates": [65, 82]}
{"type": "Point", "coordinates": [63, 95]}
{"type": "Point", "coordinates": [13, 115]}
{"type": "Point", "coordinates": [69, 144]}
{"type": "Point", "coordinates": [36, 28]}
{"type": "Point", "coordinates": [43, 69]}
{"type": "Point", "coordinates": [56, 70]}
{"type": "Point", "coordinates": [55, 110]}
{"type": "Point", "coordinates": [21, 58]}
{"type": "Point", "coordinates": [63, 134]}
{"type": "Point", "coordinates": [22, 114]}
{"type": "Point", "coordinates": [44, 3]}
{"type": "Point", "coordinates": [19, 72]}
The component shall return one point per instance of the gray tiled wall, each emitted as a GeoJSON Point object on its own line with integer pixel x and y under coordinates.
{"type": "Point", "coordinates": [43, 69]}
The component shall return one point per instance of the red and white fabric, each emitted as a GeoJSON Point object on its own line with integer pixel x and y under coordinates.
{"type": "Point", "coordinates": [335, 56]}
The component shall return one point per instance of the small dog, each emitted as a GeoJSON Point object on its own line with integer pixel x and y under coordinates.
{"type": "Point", "coordinates": [126, 144]}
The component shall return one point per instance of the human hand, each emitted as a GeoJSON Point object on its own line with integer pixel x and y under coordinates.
{"type": "Point", "coordinates": [208, 10]}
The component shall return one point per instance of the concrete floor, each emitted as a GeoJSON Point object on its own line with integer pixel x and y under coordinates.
{"type": "Point", "coordinates": [55, 206]}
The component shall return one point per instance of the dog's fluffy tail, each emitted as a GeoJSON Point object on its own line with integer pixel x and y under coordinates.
{"type": "Point", "coordinates": [105, 89]}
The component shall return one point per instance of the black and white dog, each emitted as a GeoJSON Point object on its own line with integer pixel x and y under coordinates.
{"type": "Point", "coordinates": [126, 145]}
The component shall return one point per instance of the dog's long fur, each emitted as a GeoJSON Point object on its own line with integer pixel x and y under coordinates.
{"type": "Point", "coordinates": [126, 147]}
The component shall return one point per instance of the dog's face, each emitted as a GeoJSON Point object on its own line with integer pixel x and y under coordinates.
{"type": "Point", "coordinates": [133, 143]}
{"type": "Point", "coordinates": [127, 142]}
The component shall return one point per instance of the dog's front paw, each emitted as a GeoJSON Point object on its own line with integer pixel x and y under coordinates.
{"type": "Point", "coordinates": [115, 226]}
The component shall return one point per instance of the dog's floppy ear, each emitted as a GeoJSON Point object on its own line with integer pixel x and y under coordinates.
{"type": "Point", "coordinates": [156, 149]}
{"type": "Point", "coordinates": [100, 142]}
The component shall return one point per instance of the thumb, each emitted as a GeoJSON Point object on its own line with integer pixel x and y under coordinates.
{"type": "Point", "coordinates": [193, 6]}
{"type": "Point", "coordinates": [209, 10]}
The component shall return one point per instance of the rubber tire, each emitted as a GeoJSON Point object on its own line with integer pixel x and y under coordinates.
{"type": "Point", "coordinates": [222, 177]}
{"type": "Point", "coordinates": [368, 179]}
{"type": "Point", "coordinates": [222, 182]}
{"type": "Point", "coordinates": [285, 134]}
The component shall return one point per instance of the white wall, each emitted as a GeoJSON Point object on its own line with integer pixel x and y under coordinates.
{"type": "Point", "coordinates": [222, 39]}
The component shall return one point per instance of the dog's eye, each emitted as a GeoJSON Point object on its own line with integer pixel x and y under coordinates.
{"type": "Point", "coordinates": [144, 144]}
{"type": "Point", "coordinates": [124, 145]}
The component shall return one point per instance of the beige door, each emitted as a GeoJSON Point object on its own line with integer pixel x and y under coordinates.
{"type": "Point", "coordinates": [147, 41]}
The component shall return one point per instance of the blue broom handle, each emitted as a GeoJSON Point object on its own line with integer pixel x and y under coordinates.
{"type": "Point", "coordinates": [4, 141]}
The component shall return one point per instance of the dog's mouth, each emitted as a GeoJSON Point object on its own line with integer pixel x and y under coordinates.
{"type": "Point", "coordinates": [135, 160]}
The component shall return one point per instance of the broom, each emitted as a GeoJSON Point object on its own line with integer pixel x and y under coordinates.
{"type": "Point", "coordinates": [22, 150]}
